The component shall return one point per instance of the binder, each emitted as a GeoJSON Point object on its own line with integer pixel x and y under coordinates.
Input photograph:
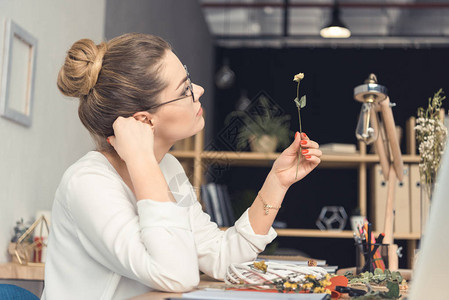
{"type": "Point", "coordinates": [379, 198]}
{"type": "Point", "coordinates": [402, 222]}
{"type": "Point", "coordinates": [212, 190]}
{"type": "Point", "coordinates": [415, 199]}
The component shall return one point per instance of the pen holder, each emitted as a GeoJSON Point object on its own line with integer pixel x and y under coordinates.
{"type": "Point", "coordinates": [370, 259]}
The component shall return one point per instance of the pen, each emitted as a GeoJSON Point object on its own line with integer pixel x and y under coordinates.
{"type": "Point", "coordinates": [380, 238]}
{"type": "Point", "coordinates": [370, 256]}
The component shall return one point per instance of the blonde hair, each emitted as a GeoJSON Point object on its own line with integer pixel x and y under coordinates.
{"type": "Point", "coordinates": [112, 79]}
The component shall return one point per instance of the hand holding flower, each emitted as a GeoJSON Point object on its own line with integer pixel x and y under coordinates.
{"type": "Point", "coordinates": [290, 162]}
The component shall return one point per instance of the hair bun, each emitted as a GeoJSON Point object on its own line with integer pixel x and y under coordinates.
{"type": "Point", "coordinates": [81, 68]}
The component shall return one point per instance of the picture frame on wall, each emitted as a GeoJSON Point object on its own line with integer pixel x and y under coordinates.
{"type": "Point", "coordinates": [17, 74]}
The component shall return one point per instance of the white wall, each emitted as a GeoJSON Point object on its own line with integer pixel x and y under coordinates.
{"type": "Point", "coordinates": [182, 24]}
{"type": "Point", "coordinates": [32, 160]}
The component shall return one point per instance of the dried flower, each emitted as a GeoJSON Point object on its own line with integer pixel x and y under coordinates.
{"type": "Point", "coordinates": [431, 135]}
{"type": "Point", "coordinates": [307, 286]}
{"type": "Point", "coordinates": [312, 263]}
{"type": "Point", "coordinates": [298, 77]}
{"type": "Point", "coordinates": [300, 103]}
{"type": "Point", "coordinates": [292, 283]}
{"type": "Point", "coordinates": [261, 265]}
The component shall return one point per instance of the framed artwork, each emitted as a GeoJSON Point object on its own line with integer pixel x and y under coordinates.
{"type": "Point", "coordinates": [17, 74]}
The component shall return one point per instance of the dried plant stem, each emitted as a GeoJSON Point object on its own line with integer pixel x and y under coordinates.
{"type": "Point", "coordinates": [300, 138]}
{"type": "Point", "coordinates": [300, 132]}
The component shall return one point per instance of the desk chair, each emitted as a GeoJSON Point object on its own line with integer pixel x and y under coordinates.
{"type": "Point", "coordinates": [13, 292]}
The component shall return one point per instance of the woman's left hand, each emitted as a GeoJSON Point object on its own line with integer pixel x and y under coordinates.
{"type": "Point", "coordinates": [285, 165]}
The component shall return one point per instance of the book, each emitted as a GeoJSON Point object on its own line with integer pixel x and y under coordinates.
{"type": "Point", "coordinates": [296, 259]}
{"type": "Point", "coordinates": [339, 148]}
{"type": "Point", "coordinates": [207, 205]}
{"type": "Point", "coordinates": [212, 190]}
{"type": "Point", "coordinates": [227, 205]}
{"type": "Point", "coordinates": [223, 205]}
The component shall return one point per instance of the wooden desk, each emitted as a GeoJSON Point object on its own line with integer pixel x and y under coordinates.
{"type": "Point", "coordinates": [205, 281]}
{"type": "Point", "coordinates": [16, 271]}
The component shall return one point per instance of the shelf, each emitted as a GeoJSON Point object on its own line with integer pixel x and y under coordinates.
{"type": "Point", "coordinates": [25, 272]}
{"type": "Point", "coordinates": [266, 159]}
{"type": "Point", "coordinates": [180, 154]}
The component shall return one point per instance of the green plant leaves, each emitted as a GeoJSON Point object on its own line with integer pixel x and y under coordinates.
{"type": "Point", "coordinates": [393, 290]}
{"type": "Point", "coordinates": [378, 271]}
{"type": "Point", "coordinates": [388, 278]}
{"type": "Point", "coordinates": [300, 103]}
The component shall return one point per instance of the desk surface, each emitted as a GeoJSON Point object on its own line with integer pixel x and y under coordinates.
{"type": "Point", "coordinates": [208, 281]}
{"type": "Point", "coordinates": [205, 281]}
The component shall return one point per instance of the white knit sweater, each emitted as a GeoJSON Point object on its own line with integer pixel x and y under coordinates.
{"type": "Point", "coordinates": [103, 244]}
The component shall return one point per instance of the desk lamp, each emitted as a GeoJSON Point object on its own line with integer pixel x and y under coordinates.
{"type": "Point", "coordinates": [374, 98]}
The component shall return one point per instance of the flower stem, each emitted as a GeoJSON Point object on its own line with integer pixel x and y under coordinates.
{"type": "Point", "coordinates": [300, 133]}
{"type": "Point", "coordinates": [300, 147]}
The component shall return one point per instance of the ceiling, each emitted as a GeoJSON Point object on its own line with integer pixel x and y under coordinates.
{"type": "Point", "coordinates": [373, 23]}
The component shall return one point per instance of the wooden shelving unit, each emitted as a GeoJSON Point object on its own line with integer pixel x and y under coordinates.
{"type": "Point", "coordinates": [194, 159]}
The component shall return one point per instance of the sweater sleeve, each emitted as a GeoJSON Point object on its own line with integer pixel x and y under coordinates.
{"type": "Point", "coordinates": [217, 249]}
{"type": "Point", "coordinates": [148, 245]}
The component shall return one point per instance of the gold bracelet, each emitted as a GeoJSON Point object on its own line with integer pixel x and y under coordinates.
{"type": "Point", "coordinates": [266, 206]}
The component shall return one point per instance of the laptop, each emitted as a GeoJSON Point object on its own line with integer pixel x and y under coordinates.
{"type": "Point", "coordinates": [431, 274]}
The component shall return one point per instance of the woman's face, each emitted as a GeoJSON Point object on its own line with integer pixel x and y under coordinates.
{"type": "Point", "coordinates": [182, 118]}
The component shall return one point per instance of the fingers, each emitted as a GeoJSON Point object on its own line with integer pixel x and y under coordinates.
{"type": "Point", "coordinates": [309, 144]}
{"type": "Point", "coordinates": [313, 159]}
{"type": "Point", "coordinates": [111, 140]}
{"type": "Point", "coordinates": [309, 149]}
{"type": "Point", "coordinates": [311, 152]}
{"type": "Point", "coordinates": [305, 144]}
{"type": "Point", "coordinates": [117, 122]}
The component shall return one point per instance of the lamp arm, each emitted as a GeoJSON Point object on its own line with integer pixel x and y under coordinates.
{"type": "Point", "coordinates": [380, 147]}
{"type": "Point", "coordinates": [390, 128]}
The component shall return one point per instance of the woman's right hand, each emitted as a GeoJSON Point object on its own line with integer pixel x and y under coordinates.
{"type": "Point", "coordinates": [132, 138]}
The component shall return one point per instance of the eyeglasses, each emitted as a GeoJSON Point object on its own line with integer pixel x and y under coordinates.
{"type": "Point", "coordinates": [187, 94]}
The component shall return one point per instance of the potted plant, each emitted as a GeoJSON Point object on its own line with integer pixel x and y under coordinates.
{"type": "Point", "coordinates": [263, 130]}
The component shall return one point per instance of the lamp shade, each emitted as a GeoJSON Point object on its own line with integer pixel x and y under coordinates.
{"type": "Point", "coordinates": [336, 28]}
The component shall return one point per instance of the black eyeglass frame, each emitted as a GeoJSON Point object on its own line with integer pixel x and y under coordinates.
{"type": "Point", "coordinates": [190, 87]}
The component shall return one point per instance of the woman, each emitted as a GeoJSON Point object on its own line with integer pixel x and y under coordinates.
{"type": "Point", "coordinates": [117, 230]}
